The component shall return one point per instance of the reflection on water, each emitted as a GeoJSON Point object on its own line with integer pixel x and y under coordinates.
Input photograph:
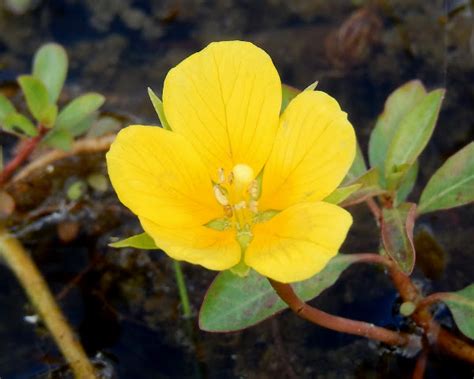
{"type": "Point", "coordinates": [126, 305]}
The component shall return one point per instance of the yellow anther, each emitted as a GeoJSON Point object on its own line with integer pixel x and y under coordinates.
{"type": "Point", "coordinates": [253, 189]}
{"type": "Point", "coordinates": [243, 174]}
{"type": "Point", "coordinates": [220, 195]}
{"type": "Point", "coordinates": [221, 175]}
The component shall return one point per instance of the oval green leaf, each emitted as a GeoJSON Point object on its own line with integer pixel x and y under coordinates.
{"type": "Point", "coordinates": [234, 303]}
{"type": "Point", "coordinates": [77, 110]}
{"type": "Point", "coordinates": [6, 107]}
{"type": "Point", "coordinates": [50, 66]}
{"type": "Point", "coordinates": [414, 132]}
{"type": "Point", "coordinates": [397, 235]}
{"type": "Point", "coordinates": [17, 122]}
{"type": "Point", "coordinates": [452, 185]}
{"type": "Point", "coordinates": [139, 241]}
{"type": "Point", "coordinates": [398, 105]}
{"type": "Point", "coordinates": [59, 139]}
{"type": "Point", "coordinates": [461, 305]}
{"type": "Point", "coordinates": [36, 95]}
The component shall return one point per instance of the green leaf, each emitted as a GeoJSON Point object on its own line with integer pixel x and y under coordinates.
{"type": "Point", "coordinates": [414, 132]}
{"type": "Point", "coordinates": [358, 167]}
{"type": "Point", "coordinates": [158, 105]}
{"type": "Point", "coordinates": [50, 66]}
{"type": "Point", "coordinates": [397, 235]}
{"type": "Point", "coordinates": [233, 303]}
{"type": "Point", "coordinates": [407, 183]}
{"type": "Point", "coordinates": [49, 115]}
{"type": "Point", "coordinates": [370, 187]}
{"type": "Point", "coordinates": [342, 193]}
{"type": "Point", "coordinates": [398, 105]}
{"type": "Point", "coordinates": [139, 241]}
{"type": "Point", "coordinates": [77, 110]}
{"type": "Point", "coordinates": [288, 94]}
{"type": "Point", "coordinates": [461, 305]}
{"type": "Point", "coordinates": [16, 121]}
{"type": "Point", "coordinates": [36, 95]}
{"type": "Point", "coordinates": [452, 184]}
{"type": "Point", "coordinates": [76, 190]}
{"type": "Point", "coordinates": [6, 107]}
{"type": "Point", "coordinates": [59, 139]}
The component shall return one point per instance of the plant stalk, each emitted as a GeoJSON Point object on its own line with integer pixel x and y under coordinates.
{"type": "Point", "coordinates": [40, 296]}
{"type": "Point", "coordinates": [183, 292]}
{"type": "Point", "coordinates": [339, 324]}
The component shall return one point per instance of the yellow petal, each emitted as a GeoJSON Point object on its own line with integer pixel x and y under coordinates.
{"type": "Point", "coordinates": [157, 174]}
{"type": "Point", "coordinates": [225, 100]}
{"type": "Point", "coordinates": [207, 247]}
{"type": "Point", "coordinates": [298, 242]}
{"type": "Point", "coordinates": [313, 151]}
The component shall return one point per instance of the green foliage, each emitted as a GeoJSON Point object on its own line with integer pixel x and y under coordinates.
{"type": "Point", "coordinates": [41, 91]}
{"type": "Point", "coordinates": [158, 105]}
{"type": "Point", "coordinates": [461, 305]}
{"type": "Point", "coordinates": [139, 241]}
{"type": "Point", "coordinates": [397, 235]}
{"type": "Point", "coordinates": [452, 185]}
{"type": "Point", "coordinates": [234, 303]}
{"type": "Point", "coordinates": [342, 193]}
{"type": "Point", "coordinates": [288, 94]}
{"type": "Point", "coordinates": [50, 66]}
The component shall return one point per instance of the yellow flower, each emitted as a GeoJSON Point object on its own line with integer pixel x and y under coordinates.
{"type": "Point", "coordinates": [223, 106]}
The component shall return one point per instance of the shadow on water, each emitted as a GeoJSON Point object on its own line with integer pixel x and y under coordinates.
{"type": "Point", "coordinates": [125, 303]}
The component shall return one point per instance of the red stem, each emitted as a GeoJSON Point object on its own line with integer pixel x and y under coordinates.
{"type": "Point", "coordinates": [339, 324]}
{"type": "Point", "coordinates": [22, 155]}
{"type": "Point", "coordinates": [420, 366]}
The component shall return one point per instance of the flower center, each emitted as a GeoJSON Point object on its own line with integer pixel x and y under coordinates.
{"type": "Point", "coordinates": [237, 192]}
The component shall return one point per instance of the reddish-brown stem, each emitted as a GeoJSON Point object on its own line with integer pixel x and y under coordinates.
{"type": "Point", "coordinates": [339, 324]}
{"type": "Point", "coordinates": [431, 299]}
{"type": "Point", "coordinates": [375, 209]}
{"type": "Point", "coordinates": [420, 366]}
{"type": "Point", "coordinates": [444, 340]}
{"type": "Point", "coordinates": [22, 155]}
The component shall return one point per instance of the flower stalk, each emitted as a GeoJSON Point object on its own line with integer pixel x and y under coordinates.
{"type": "Point", "coordinates": [40, 296]}
{"type": "Point", "coordinates": [183, 292]}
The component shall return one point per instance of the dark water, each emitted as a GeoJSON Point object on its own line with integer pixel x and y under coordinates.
{"type": "Point", "coordinates": [125, 304]}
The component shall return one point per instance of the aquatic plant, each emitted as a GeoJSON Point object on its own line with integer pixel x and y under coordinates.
{"type": "Point", "coordinates": [231, 184]}
{"type": "Point", "coordinates": [54, 129]}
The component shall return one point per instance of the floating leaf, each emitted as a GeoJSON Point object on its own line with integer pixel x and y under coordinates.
{"type": "Point", "coordinates": [16, 121]}
{"type": "Point", "coordinates": [6, 107]}
{"type": "Point", "coordinates": [461, 305]}
{"type": "Point", "coordinates": [342, 193]}
{"type": "Point", "coordinates": [139, 241]}
{"type": "Point", "coordinates": [158, 105]}
{"type": "Point", "coordinates": [452, 185]}
{"type": "Point", "coordinates": [78, 110]}
{"type": "Point", "coordinates": [288, 94]}
{"type": "Point", "coordinates": [59, 139]}
{"type": "Point", "coordinates": [234, 303]}
{"type": "Point", "coordinates": [50, 66]}
{"type": "Point", "coordinates": [414, 132]}
{"type": "Point", "coordinates": [36, 95]}
{"type": "Point", "coordinates": [398, 105]}
{"type": "Point", "coordinates": [397, 235]}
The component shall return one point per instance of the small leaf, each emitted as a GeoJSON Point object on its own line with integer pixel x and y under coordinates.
{"type": "Point", "coordinates": [233, 303]}
{"type": "Point", "coordinates": [36, 95]}
{"type": "Point", "coordinates": [139, 241]}
{"type": "Point", "coordinates": [414, 132]}
{"type": "Point", "coordinates": [288, 94]}
{"type": "Point", "coordinates": [312, 86]}
{"type": "Point", "coordinates": [49, 115]}
{"type": "Point", "coordinates": [342, 193]}
{"type": "Point", "coordinates": [59, 139]}
{"type": "Point", "coordinates": [50, 66]}
{"type": "Point", "coordinates": [6, 107]}
{"type": "Point", "coordinates": [452, 184]}
{"type": "Point", "coordinates": [98, 182]}
{"type": "Point", "coordinates": [407, 183]}
{"type": "Point", "coordinates": [461, 305]}
{"type": "Point", "coordinates": [398, 105]}
{"type": "Point", "coordinates": [16, 121]}
{"type": "Point", "coordinates": [158, 105]}
{"type": "Point", "coordinates": [407, 308]}
{"type": "Point", "coordinates": [76, 190]}
{"type": "Point", "coordinates": [370, 187]}
{"type": "Point", "coordinates": [77, 110]}
{"type": "Point", "coordinates": [397, 235]}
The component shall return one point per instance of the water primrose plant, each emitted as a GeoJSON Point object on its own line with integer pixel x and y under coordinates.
{"type": "Point", "coordinates": [54, 129]}
{"type": "Point", "coordinates": [251, 179]}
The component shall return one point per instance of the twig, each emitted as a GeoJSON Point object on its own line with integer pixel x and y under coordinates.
{"type": "Point", "coordinates": [340, 324]}
{"type": "Point", "coordinates": [40, 296]}
{"type": "Point", "coordinates": [420, 367]}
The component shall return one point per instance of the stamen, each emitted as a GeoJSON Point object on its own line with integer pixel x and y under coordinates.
{"type": "Point", "coordinates": [221, 175]}
{"type": "Point", "coordinates": [220, 195]}
{"type": "Point", "coordinates": [253, 206]}
{"type": "Point", "coordinates": [253, 190]}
